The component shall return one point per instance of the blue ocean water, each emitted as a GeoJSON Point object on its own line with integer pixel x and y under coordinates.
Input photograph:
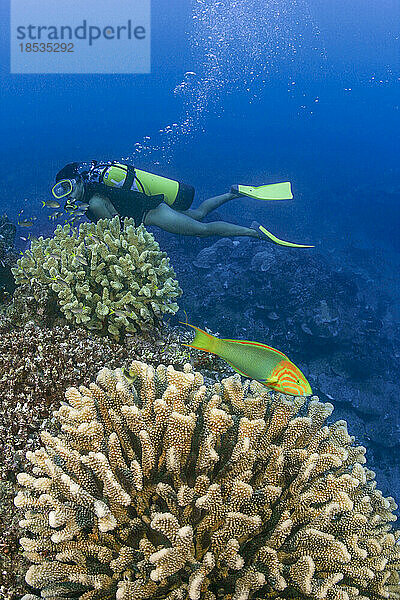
{"type": "Point", "coordinates": [305, 91]}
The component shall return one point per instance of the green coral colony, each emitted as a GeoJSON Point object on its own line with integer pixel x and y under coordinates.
{"type": "Point", "coordinates": [173, 490]}
{"type": "Point", "coordinates": [106, 277]}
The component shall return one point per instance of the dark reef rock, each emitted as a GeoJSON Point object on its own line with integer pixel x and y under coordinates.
{"type": "Point", "coordinates": [8, 257]}
{"type": "Point", "coordinates": [294, 300]}
{"type": "Point", "coordinates": [210, 257]}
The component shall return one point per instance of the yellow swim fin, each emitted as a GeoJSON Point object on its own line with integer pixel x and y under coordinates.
{"type": "Point", "coordinates": [276, 240]}
{"type": "Point", "coordinates": [274, 191]}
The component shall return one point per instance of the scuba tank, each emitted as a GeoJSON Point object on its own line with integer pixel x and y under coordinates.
{"type": "Point", "coordinates": [117, 175]}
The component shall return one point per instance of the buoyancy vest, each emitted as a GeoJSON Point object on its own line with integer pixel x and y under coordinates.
{"type": "Point", "coordinates": [126, 177]}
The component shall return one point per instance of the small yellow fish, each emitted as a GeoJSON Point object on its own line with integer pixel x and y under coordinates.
{"type": "Point", "coordinates": [60, 281]}
{"type": "Point", "coordinates": [77, 310]}
{"type": "Point", "coordinates": [128, 376]}
{"type": "Point", "coordinates": [51, 204]}
{"type": "Point", "coordinates": [53, 255]}
{"type": "Point", "coordinates": [119, 313]}
{"type": "Point", "coordinates": [96, 239]}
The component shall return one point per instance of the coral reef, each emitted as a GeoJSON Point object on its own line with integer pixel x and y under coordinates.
{"type": "Point", "coordinates": [166, 489]}
{"type": "Point", "coordinates": [35, 302]}
{"type": "Point", "coordinates": [106, 277]}
{"type": "Point", "coordinates": [36, 366]}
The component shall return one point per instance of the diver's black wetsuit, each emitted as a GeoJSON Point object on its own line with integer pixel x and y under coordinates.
{"type": "Point", "coordinates": [127, 203]}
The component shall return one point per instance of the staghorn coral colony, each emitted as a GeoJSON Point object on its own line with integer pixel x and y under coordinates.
{"type": "Point", "coordinates": [107, 276]}
{"type": "Point", "coordinates": [169, 489]}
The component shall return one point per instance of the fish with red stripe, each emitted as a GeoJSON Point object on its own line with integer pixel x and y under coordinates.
{"type": "Point", "coordinates": [255, 361]}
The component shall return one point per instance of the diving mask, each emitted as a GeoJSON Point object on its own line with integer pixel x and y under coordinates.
{"type": "Point", "coordinates": [63, 188]}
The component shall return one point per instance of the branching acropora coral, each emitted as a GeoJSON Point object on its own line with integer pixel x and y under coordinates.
{"type": "Point", "coordinates": [105, 277]}
{"type": "Point", "coordinates": [167, 489]}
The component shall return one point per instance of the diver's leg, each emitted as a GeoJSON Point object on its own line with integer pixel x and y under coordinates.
{"type": "Point", "coordinates": [209, 205]}
{"type": "Point", "coordinates": [179, 223]}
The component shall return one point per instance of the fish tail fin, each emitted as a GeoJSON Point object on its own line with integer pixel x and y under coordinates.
{"type": "Point", "coordinates": [43, 204]}
{"type": "Point", "coordinates": [202, 340]}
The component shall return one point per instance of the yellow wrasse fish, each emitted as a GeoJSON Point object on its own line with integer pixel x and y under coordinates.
{"type": "Point", "coordinates": [255, 361]}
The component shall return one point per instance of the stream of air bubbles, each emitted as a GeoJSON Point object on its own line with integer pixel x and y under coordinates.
{"type": "Point", "coordinates": [235, 47]}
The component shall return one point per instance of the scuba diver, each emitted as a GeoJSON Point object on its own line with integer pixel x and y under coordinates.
{"type": "Point", "coordinates": [112, 188]}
